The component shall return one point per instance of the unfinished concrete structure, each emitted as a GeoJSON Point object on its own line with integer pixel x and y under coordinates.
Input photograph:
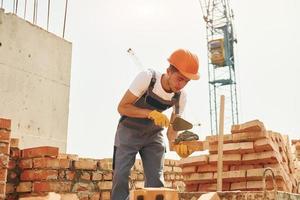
{"type": "Point", "coordinates": [35, 74]}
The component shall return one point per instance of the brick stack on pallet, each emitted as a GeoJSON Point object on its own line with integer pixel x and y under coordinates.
{"type": "Point", "coordinates": [5, 125]}
{"type": "Point", "coordinates": [247, 152]}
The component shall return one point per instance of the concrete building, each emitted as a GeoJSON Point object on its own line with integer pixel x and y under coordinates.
{"type": "Point", "coordinates": [35, 69]}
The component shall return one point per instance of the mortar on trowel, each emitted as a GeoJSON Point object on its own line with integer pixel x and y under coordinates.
{"type": "Point", "coordinates": [184, 139]}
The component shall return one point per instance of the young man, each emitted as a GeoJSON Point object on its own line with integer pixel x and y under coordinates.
{"type": "Point", "coordinates": [142, 120]}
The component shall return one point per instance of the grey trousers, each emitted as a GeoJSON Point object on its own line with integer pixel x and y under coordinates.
{"type": "Point", "coordinates": [151, 149]}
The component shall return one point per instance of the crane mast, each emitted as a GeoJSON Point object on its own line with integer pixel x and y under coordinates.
{"type": "Point", "coordinates": [218, 17]}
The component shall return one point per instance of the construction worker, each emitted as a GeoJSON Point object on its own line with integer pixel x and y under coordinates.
{"type": "Point", "coordinates": [142, 120]}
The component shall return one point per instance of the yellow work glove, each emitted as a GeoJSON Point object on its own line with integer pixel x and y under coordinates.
{"type": "Point", "coordinates": [159, 118]}
{"type": "Point", "coordinates": [182, 150]}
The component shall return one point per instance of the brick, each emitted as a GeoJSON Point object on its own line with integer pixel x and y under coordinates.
{"type": "Point", "coordinates": [25, 163]}
{"type": "Point", "coordinates": [11, 164]}
{"type": "Point", "coordinates": [105, 195]}
{"type": "Point", "coordinates": [189, 169]}
{"type": "Point", "coordinates": [4, 135]}
{"type": "Point", "coordinates": [24, 187]}
{"type": "Point", "coordinates": [244, 167]}
{"type": "Point", "coordinates": [105, 164]}
{"type": "Point", "coordinates": [191, 187]}
{"type": "Point", "coordinates": [87, 164]}
{"type": "Point", "coordinates": [94, 196]}
{"type": "Point", "coordinates": [51, 163]}
{"type": "Point", "coordinates": [136, 175]}
{"type": "Point", "coordinates": [211, 168]}
{"type": "Point", "coordinates": [227, 138]}
{"type": "Point", "coordinates": [168, 169]}
{"type": "Point", "coordinates": [83, 186]}
{"type": "Point", "coordinates": [4, 159]}
{"type": "Point", "coordinates": [227, 158]}
{"type": "Point", "coordinates": [43, 151]}
{"type": "Point", "coordinates": [265, 144]}
{"type": "Point", "coordinates": [105, 185]}
{"type": "Point", "coordinates": [97, 176]}
{"type": "Point", "coordinates": [177, 169]}
{"type": "Point", "coordinates": [10, 188]}
{"type": "Point", "coordinates": [257, 174]}
{"type": "Point", "coordinates": [67, 175]}
{"type": "Point", "coordinates": [51, 187]}
{"type": "Point", "coordinates": [194, 160]}
{"type": "Point", "coordinates": [68, 156]}
{"type": "Point", "coordinates": [258, 185]}
{"type": "Point", "coordinates": [249, 136]}
{"type": "Point", "coordinates": [5, 124]}
{"type": "Point", "coordinates": [107, 176]}
{"type": "Point", "coordinates": [210, 187]}
{"type": "Point", "coordinates": [238, 186]}
{"type": "Point", "coordinates": [85, 176]}
{"type": "Point", "coordinates": [198, 177]}
{"type": "Point", "coordinates": [233, 176]}
{"type": "Point", "coordinates": [69, 196]}
{"type": "Point", "coordinates": [262, 158]}
{"type": "Point", "coordinates": [33, 175]}
{"type": "Point", "coordinates": [4, 148]}
{"type": "Point", "coordinates": [233, 148]}
{"type": "Point", "coordinates": [2, 189]}
{"type": "Point", "coordinates": [15, 153]}
{"type": "Point", "coordinates": [3, 174]}
{"type": "Point", "coordinates": [14, 143]}
{"type": "Point", "coordinates": [251, 126]}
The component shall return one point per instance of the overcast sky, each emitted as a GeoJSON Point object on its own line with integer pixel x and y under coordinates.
{"type": "Point", "coordinates": [101, 31]}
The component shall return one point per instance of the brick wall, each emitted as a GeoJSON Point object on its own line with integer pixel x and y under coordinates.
{"type": "Point", "coordinates": [38, 171]}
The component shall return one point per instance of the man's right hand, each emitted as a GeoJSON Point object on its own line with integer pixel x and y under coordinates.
{"type": "Point", "coordinates": [159, 118]}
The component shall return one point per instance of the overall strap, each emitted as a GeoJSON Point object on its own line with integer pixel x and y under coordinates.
{"type": "Point", "coordinates": [175, 99]}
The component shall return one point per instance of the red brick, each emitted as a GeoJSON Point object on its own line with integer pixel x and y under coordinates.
{"type": "Point", "coordinates": [51, 163]}
{"type": "Point", "coordinates": [14, 142]}
{"type": "Point", "coordinates": [44, 151]}
{"type": "Point", "coordinates": [198, 177]}
{"type": "Point", "coordinates": [105, 164]}
{"type": "Point", "coordinates": [3, 174]}
{"type": "Point", "coordinates": [4, 135]}
{"type": "Point", "coordinates": [4, 148]}
{"type": "Point", "coordinates": [15, 153]}
{"type": "Point", "coordinates": [97, 176]}
{"type": "Point", "coordinates": [244, 167]}
{"type": "Point", "coordinates": [4, 159]}
{"type": "Point", "coordinates": [5, 123]}
{"type": "Point", "coordinates": [2, 189]}
{"type": "Point", "coordinates": [105, 185]}
{"type": "Point", "coordinates": [227, 158]}
{"type": "Point", "coordinates": [232, 148]}
{"type": "Point", "coordinates": [262, 158]}
{"type": "Point", "coordinates": [189, 169]}
{"type": "Point", "coordinates": [25, 163]}
{"type": "Point", "coordinates": [238, 186]}
{"type": "Point", "coordinates": [211, 187]}
{"type": "Point", "coordinates": [87, 164]}
{"type": "Point", "coordinates": [227, 138]}
{"type": "Point", "coordinates": [191, 187]}
{"type": "Point", "coordinates": [85, 176]}
{"type": "Point", "coordinates": [251, 126]}
{"type": "Point", "coordinates": [24, 187]}
{"type": "Point", "coordinates": [33, 175]}
{"type": "Point", "coordinates": [12, 164]}
{"type": "Point", "coordinates": [10, 188]}
{"type": "Point", "coordinates": [249, 136]}
{"type": "Point", "coordinates": [211, 168]}
{"type": "Point", "coordinates": [105, 195]}
{"type": "Point", "coordinates": [107, 176]}
{"type": "Point", "coordinates": [51, 187]}
{"type": "Point", "coordinates": [194, 160]}
{"type": "Point", "coordinates": [94, 196]}
{"type": "Point", "coordinates": [68, 175]}
{"type": "Point", "coordinates": [233, 176]}
{"type": "Point", "coordinates": [12, 176]}
{"type": "Point", "coordinates": [83, 186]}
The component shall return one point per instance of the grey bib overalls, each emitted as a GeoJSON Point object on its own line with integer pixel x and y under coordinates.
{"type": "Point", "coordinates": [140, 135]}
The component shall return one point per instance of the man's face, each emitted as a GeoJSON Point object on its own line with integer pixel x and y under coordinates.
{"type": "Point", "coordinates": [177, 81]}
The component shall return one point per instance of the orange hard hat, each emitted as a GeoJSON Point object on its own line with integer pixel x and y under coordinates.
{"type": "Point", "coordinates": [186, 62]}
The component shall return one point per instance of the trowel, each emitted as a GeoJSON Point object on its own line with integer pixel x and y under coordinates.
{"type": "Point", "coordinates": [180, 124]}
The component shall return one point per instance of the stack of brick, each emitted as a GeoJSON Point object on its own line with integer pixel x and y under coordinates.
{"type": "Point", "coordinates": [5, 126]}
{"type": "Point", "coordinates": [13, 175]}
{"type": "Point", "coordinates": [296, 157]}
{"type": "Point", "coordinates": [247, 152]}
